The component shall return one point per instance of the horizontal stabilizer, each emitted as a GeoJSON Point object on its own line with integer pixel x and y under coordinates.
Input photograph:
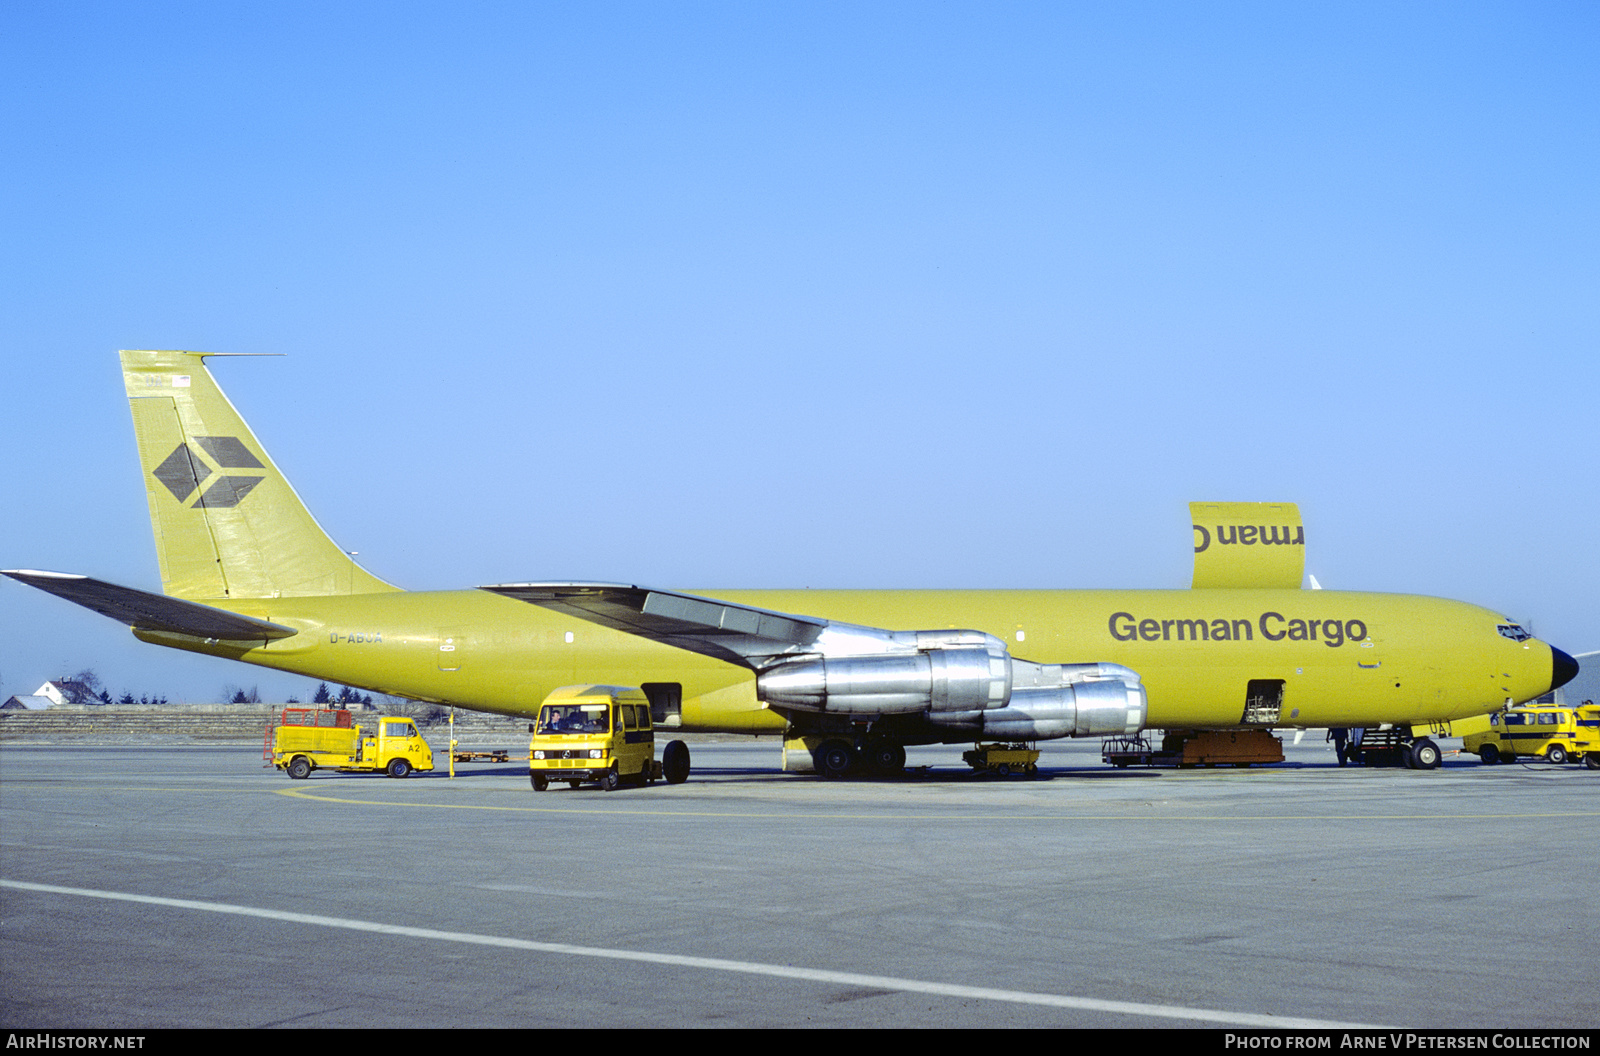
{"type": "Point", "coordinates": [151, 612]}
{"type": "Point", "coordinates": [739, 634]}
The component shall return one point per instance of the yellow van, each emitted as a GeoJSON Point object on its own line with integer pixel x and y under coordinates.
{"type": "Point", "coordinates": [1552, 732]}
{"type": "Point", "coordinates": [602, 734]}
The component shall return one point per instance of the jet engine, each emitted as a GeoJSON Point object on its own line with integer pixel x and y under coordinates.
{"type": "Point", "coordinates": [959, 679]}
{"type": "Point", "coordinates": [1104, 707]}
{"type": "Point", "coordinates": [962, 680]}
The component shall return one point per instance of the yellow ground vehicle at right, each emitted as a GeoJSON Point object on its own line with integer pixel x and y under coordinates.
{"type": "Point", "coordinates": [1555, 733]}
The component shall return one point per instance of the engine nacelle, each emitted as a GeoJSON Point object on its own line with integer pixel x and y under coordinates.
{"type": "Point", "coordinates": [963, 680]}
{"type": "Point", "coordinates": [1111, 708]}
{"type": "Point", "coordinates": [938, 678]}
{"type": "Point", "coordinates": [1061, 700]}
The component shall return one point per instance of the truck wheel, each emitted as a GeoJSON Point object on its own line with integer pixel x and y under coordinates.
{"type": "Point", "coordinates": [399, 768]}
{"type": "Point", "coordinates": [300, 768]}
{"type": "Point", "coordinates": [1556, 754]}
{"type": "Point", "coordinates": [610, 780]}
{"type": "Point", "coordinates": [675, 763]}
{"type": "Point", "coordinates": [1489, 754]}
{"type": "Point", "coordinates": [540, 781]}
{"type": "Point", "coordinates": [1592, 760]}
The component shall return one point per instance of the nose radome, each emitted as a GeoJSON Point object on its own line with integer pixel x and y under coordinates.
{"type": "Point", "coordinates": [1563, 668]}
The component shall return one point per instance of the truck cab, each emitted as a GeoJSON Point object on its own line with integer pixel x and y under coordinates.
{"type": "Point", "coordinates": [397, 744]}
{"type": "Point", "coordinates": [602, 734]}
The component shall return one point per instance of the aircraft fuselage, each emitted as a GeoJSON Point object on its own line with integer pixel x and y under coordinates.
{"type": "Point", "coordinates": [1343, 658]}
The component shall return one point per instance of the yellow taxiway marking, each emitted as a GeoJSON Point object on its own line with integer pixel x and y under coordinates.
{"type": "Point", "coordinates": [719, 964]}
{"type": "Point", "coordinates": [797, 815]}
{"type": "Point", "coordinates": [295, 793]}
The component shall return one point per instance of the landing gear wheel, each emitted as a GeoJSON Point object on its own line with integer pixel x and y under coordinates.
{"type": "Point", "coordinates": [610, 780]}
{"type": "Point", "coordinates": [675, 763]}
{"type": "Point", "coordinates": [835, 759]}
{"type": "Point", "coordinates": [540, 781]}
{"type": "Point", "coordinates": [1489, 754]}
{"type": "Point", "coordinates": [300, 768]}
{"type": "Point", "coordinates": [1424, 755]}
{"type": "Point", "coordinates": [1556, 754]}
{"type": "Point", "coordinates": [886, 757]}
{"type": "Point", "coordinates": [399, 768]}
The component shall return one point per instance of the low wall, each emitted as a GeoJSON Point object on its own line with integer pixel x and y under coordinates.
{"type": "Point", "coordinates": [226, 722]}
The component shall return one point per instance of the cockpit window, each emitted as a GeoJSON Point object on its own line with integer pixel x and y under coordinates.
{"type": "Point", "coordinates": [1514, 632]}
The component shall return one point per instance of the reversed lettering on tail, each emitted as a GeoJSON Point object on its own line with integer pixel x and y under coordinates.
{"type": "Point", "coordinates": [1248, 544]}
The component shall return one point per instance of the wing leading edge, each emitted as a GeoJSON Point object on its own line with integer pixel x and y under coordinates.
{"type": "Point", "coordinates": [737, 634]}
{"type": "Point", "coordinates": [144, 611]}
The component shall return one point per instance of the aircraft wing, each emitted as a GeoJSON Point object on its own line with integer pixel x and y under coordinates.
{"type": "Point", "coordinates": [151, 612]}
{"type": "Point", "coordinates": [737, 634]}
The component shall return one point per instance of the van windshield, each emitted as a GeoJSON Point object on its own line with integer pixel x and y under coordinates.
{"type": "Point", "coordinates": [573, 718]}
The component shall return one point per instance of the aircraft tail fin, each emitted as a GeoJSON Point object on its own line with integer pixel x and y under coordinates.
{"type": "Point", "coordinates": [227, 524]}
{"type": "Point", "coordinates": [1248, 544]}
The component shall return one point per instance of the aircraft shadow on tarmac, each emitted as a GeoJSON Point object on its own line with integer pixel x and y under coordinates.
{"type": "Point", "coordinates": [941, 775]}
{"type": "Point", "coordinates": [755, 774]}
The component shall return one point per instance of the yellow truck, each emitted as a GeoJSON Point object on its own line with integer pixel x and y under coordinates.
{"type": "Point", "coordinates": [307, 739]}
{"type": "Point", "coordinates": [1555, 733]}
{"type": "Point", "coordinates": [602, 734]}
{"type": "Point", "coordinates": [1003, 759]}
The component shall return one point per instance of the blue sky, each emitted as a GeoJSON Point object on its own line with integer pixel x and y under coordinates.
{"type": "Point", "coordinates": [762, 294]}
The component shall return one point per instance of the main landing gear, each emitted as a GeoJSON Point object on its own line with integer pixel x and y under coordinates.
{"type": "Point", "coordinates": [874, 757]}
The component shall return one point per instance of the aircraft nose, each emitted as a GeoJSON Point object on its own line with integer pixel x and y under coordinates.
{"type": "Point", "coordinates": [1563, 668]}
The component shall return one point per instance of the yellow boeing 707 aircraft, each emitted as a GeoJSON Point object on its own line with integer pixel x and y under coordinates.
{"type": "Point", "coordinates": [855, 676]}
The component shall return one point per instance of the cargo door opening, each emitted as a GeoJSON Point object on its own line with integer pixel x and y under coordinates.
{"type": "Point", "coordinates": [666, 702]}
{"type": "Point", "coordinates": [1263, 702]}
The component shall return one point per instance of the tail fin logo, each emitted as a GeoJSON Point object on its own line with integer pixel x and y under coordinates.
{"type": "Point", "coordinates": [184, 472]}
